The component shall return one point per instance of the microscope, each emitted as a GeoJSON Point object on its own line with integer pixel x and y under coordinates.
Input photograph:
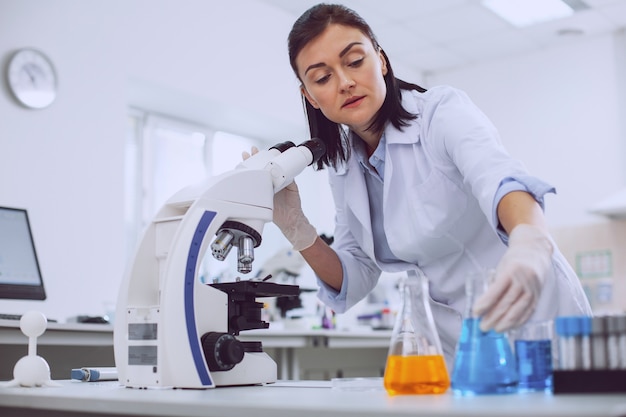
{"type": "Point", "coordinates": [172, 330]}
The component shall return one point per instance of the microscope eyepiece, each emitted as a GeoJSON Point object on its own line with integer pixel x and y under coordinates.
{"type": "Point", "coordinates": [283, 146]}
{"type": "Point", "coordinates": [317, 148]}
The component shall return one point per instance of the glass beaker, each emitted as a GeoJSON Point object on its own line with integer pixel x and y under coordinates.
{"type": "Point", "coordinates": [415, 363]}
{"type": "Point", "coordinates": [533, 352]}
{"type": "Point", "coordinates": [484, 361]}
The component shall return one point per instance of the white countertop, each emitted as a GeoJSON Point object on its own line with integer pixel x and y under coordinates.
{"type": "Point", "coordinates": [289, 399]}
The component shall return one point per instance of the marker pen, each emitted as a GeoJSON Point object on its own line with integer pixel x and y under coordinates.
{"type": "Point", "coordinates": [95, 374]}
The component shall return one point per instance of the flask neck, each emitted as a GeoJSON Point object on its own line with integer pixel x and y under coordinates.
{"type": "Point", "coordinates": [414, 331]}
{"type": "Point", "coordinates": [475, 286]}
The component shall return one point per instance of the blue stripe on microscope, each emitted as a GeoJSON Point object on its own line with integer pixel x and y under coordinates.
{"type": "Point", "coordinates": [190, 282]}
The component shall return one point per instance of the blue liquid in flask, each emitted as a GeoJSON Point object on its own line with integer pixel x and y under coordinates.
{"type": "Point", "coordinates": [484, 363]}
{"type": "Point", "coordinates": [534, 358]}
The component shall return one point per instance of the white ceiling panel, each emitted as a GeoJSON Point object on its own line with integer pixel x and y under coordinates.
{"type": "Point", "coordinates": [485, 47]}
{"type": "Point", "coordinates": [616, 13]}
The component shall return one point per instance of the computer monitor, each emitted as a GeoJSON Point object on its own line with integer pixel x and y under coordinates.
{"type": "Point", "coordinates": [20, 276]}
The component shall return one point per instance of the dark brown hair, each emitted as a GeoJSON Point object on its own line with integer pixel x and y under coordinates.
{"type": "Point", "coordinates": [309, 26]}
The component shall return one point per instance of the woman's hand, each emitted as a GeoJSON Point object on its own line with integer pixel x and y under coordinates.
{"type": "Point", "coordinates": [511, 299]}
{"type": "Point", "coordinates": [245, 155]}
{"type": "Point", "coordinates": [288, 214]}
{"type": "Point", "coordinates": [290, 218]}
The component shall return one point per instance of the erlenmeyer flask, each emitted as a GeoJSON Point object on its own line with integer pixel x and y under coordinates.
{"type": "Point", "coordinates": [415, 363]}
{"type": "Point", "coordinates": [484, 361]}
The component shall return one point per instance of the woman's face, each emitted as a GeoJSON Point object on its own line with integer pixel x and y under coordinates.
{"type": "Point", "coordinates": [342, 75]}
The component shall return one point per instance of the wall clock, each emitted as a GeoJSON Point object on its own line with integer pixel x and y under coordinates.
{"type": "Point", "coordinates": [32, 79]}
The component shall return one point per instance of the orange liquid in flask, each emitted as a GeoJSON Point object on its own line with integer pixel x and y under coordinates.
{"type": "Point", "coordinates": [416, 374]}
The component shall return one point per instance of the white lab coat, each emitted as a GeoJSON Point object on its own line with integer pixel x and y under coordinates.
{"type": "Point", "coordinates": [441, 177]}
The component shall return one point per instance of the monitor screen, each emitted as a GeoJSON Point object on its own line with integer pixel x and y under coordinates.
{"type": "Point", "coordinates": [20, 276]}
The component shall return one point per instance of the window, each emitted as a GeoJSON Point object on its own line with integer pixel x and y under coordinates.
{"type": "Point", "coordinates": [164, 155]}
{"type": "Point", "coordinates": [174, 155]}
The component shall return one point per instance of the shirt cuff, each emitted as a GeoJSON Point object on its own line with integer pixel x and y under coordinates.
{"type": "Point", "coordinates": [532, 185]}
{"type": "Point", "coordinates": [330, 296]}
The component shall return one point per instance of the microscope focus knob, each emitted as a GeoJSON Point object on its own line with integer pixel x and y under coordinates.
{"type": "Point", "coordinates": [222, 351]}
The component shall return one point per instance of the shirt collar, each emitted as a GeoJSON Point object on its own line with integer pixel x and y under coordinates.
{"type": "Point", "coordinates": [377, 160]}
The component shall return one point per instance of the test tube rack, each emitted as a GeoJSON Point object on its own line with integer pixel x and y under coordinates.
{"type": "Point", "coordinates": [591, 354]}
{"type": "Point", "coordinates": [589, 381]}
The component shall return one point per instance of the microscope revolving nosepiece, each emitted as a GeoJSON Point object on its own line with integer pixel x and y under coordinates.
{"type": "Point", "coordinates": [233, 233]}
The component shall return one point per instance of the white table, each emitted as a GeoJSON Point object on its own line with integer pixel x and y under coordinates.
{"type": "Point", "coordinates": [76, 334]}
{"type": "Point", "coordinates": [289, 399]}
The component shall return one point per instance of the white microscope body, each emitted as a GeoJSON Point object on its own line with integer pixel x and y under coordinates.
{"type": "Point", "coordinates": [171, 330]}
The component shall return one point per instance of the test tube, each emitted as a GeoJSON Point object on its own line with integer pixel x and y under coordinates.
{"type": "Point", "coordinates": [574, 346]}
{"type": "Point", "coordinates": [566, 343]}
{"type": "Point", "coordinates": [585, 334]}
{"type": "Point", "coordinates": [622, 340]}
{"type": "Point", "coordinates": [612, 342]}
{"type": "Point", "coordinates": [598, 343]}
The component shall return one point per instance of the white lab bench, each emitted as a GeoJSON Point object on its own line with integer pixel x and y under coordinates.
{"type": "Point", "coordinates": [288, 399]}
{"type": "Point", "coordinates": [299, 354]}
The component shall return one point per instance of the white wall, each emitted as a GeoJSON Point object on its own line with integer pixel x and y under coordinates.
{"type": "Point", "coordinates": [561, 111]}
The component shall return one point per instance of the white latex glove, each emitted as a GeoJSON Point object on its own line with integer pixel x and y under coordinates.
{"type": "Point", "coordinates": [511, 298]}
{"type": "Point", "coordinates": [289, 217]}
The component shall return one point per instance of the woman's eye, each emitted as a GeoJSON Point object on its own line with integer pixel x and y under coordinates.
{"type": "Point", "coordinates": [322, 80]}
{"type": "Point", "coordinates": [356, 63]}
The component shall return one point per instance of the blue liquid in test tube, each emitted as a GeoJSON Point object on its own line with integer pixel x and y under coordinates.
{"type": "Point", "coordinates": [484, 363]}
{"type": "Point", "coordinates": [534, 358]}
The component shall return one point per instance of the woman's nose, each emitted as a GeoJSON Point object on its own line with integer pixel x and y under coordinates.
{"type": "Point", "coordinates": [346, 83]}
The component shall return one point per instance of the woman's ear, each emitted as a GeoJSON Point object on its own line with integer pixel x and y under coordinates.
{"type": "Point", "coordinates": [309, 98]}
{"type": "Point", "coordinates": [383, 61]}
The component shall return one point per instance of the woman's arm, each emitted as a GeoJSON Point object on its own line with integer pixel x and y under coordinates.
{"type": "Point", "coordinates": [519, 207]}
{"type": "Point", "coordinates": [325, 263]}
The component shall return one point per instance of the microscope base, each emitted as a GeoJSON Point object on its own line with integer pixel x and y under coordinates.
{"type": "Point", "coordinates": [255, 368]}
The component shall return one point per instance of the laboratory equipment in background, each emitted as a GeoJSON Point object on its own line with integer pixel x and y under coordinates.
{"type": "Point", "coordinates": [172, 330]}
{"type": "Point", "coordinates": [415, 363]}
{"type": "Point", "coordinates": [378, 312]}
{"type": "Point", "coordinates": [20, 275]}
{"type": "Point", "coordinates": [284, 267]}
{"type": "Point", "coordinates": [591, 354]}
{"type": "Point", "coordinates": [484, 361]}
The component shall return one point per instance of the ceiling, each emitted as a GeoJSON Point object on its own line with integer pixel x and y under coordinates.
{"type": "Point", "coordinates": [438, 35]}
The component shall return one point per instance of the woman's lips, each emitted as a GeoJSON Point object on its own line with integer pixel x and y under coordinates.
{"type": "Point", "coordinates": [353, 101]}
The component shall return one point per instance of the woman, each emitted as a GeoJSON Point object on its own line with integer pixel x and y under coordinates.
{"type": "Point", "coordinates": [420, 180]}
